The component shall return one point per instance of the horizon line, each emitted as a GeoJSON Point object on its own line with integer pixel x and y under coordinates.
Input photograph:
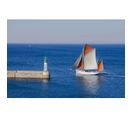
{"type": "Point", "coordinates": [73, 43]}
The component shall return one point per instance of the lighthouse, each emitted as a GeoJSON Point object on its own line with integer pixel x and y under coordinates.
{"type": "Point", "coordinates": [45, 64]}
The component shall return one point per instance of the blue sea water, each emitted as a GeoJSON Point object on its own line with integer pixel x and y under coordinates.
{"type": "Point", "coordinates": [63, 82]}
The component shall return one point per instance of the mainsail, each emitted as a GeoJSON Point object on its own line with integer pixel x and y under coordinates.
{"type": "Point", "coordinates": [87, 48]}
{"type": "Point", "coordinates": [87, 60]}
{"type": "Point", "coordinates": [90, 60]}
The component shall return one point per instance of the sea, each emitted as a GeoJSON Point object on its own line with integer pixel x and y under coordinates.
{"type": "Point", "coordinates": [63, 82]}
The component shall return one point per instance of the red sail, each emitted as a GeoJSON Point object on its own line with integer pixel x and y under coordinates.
{"type": "Point", "coordinates": [100, 66]}
{"type": "Point", "coordinates": [87, 49]}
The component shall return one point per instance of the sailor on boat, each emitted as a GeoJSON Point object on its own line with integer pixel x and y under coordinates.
{"type": "Point", "coordinates": [86, 63]}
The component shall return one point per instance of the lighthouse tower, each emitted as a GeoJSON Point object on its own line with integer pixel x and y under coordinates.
{"type": "Point", "coordinates": [45, 64]}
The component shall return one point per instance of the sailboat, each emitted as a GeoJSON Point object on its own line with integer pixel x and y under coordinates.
{"type": "Point", "coordinates": [86, 63]}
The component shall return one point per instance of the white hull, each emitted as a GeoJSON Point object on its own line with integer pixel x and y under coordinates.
{"type": "Point", "coordinates": [83, 73]}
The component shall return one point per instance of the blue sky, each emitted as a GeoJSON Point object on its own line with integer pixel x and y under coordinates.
{"type": "Point", "coordinates": [66, 31]}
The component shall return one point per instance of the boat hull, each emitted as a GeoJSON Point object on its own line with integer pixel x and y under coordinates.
{"type": "Point", "coordinates": [83, 73]}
